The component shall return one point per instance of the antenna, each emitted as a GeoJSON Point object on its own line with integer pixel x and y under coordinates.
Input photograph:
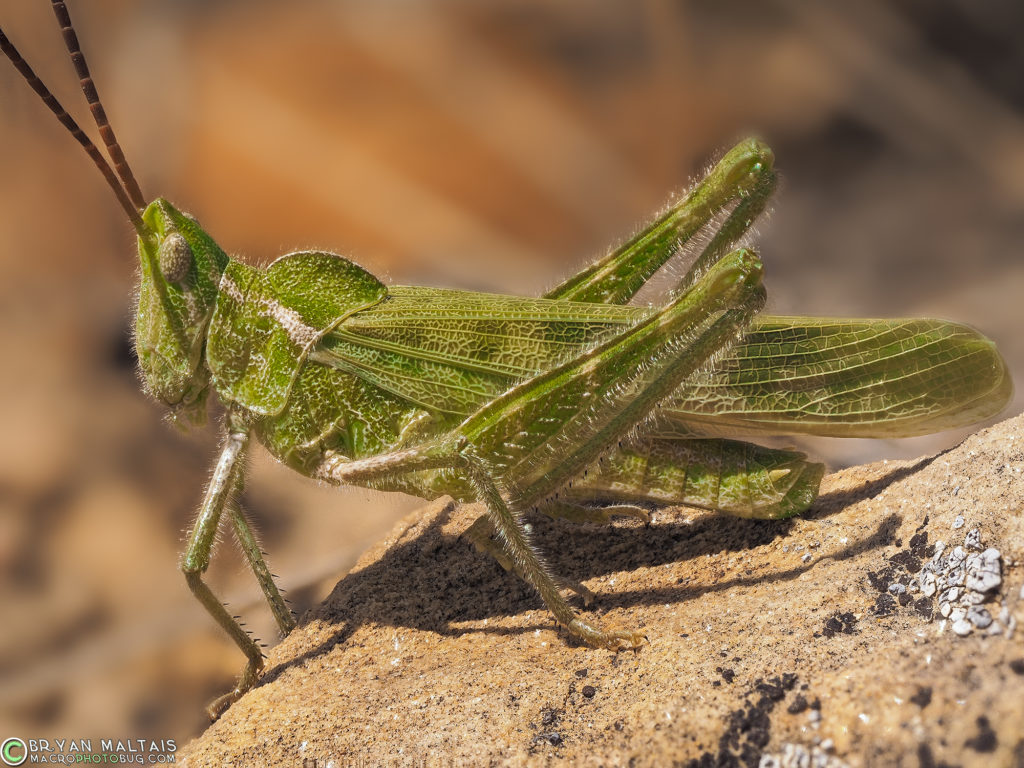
{"type": "Point", "coordinates": [95, 105]}
{"type": "Point", "coordinates": [130, 206]}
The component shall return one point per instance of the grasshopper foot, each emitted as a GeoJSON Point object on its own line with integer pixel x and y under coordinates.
{"type": "Point", "coordinates": [250, 675]}
{"type": "Point", "coordinates": [615, 640]}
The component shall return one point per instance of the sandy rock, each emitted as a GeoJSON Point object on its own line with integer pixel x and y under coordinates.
{"type": "Point", "coordinates": [429, 653]}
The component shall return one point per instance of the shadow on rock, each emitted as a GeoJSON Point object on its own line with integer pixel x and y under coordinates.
{"type": "Point", "coordinates": [430, 579]}
{"type": "Point", "coordinates": [828, 504]}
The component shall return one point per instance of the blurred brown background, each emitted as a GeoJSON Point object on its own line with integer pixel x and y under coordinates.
{"type": "Point", "coordinates": [482, 145]}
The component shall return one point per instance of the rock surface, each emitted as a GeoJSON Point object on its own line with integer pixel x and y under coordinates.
{"type": "Point", "coordinates": [769, 642]}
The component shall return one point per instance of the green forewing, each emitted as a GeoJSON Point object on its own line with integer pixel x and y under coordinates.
{"type": "Point", "coordinates": [452, 352]}
{"type": "Point", "coordinates": [266, 321]}
{"type": "Point", "coordinates": [848, 378]}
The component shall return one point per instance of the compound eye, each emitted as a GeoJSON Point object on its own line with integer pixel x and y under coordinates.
{"type": "Point", "coordinates": [175, 257]}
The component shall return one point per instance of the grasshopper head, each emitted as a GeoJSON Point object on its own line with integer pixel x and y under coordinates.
{"type": "Point", "coordinates": [181, 265]}
{"type": "Point", "coordinates": [181, 269]}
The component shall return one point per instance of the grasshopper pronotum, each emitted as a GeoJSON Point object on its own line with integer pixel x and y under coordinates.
{"type": "Point", "coordinates": [576, 404]}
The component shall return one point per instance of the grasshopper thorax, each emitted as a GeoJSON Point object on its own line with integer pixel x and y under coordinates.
{"type": "Point", "coordinates": [181, 267]}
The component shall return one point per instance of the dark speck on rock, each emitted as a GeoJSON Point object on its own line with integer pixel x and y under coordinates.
{"type": "Point", "coordinates": [798, 705]}
{"type": "Point", "coordinates": [907, 560]}
{"type": "Point", "coordinates": [881, 580]}
{"type": "Point", "coordinates": [845, 623]}
{"type": "Point", "coordinates": [884, 606]}
{"type": "Point", "coordinates": [986, 740]}
{"type": "Point", "coordinates": [748, 729]}
{"type": "Point", "coordinates": [1017, 665]}
{"type": "Point", "coordinates": [919, 546]}
{"type": "Point", "coordinates": [589, 691]}
{"type": "Point", "coordinates": [554, 738]}
{"type": "Point", "coordinates": [923, 697]}
{"type": "Point", "coordinates": [772, 690]}
{"type": "Point", "coordinates": [923, 606]}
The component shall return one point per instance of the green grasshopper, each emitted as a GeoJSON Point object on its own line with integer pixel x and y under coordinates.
{"type": "Point", "coordinates": [575, 404]}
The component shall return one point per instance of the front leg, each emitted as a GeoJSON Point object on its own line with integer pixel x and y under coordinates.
{"type": "Point", "coordinates": [251, 549]}
{"type": "Point", "coordinates": [227, 478]}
